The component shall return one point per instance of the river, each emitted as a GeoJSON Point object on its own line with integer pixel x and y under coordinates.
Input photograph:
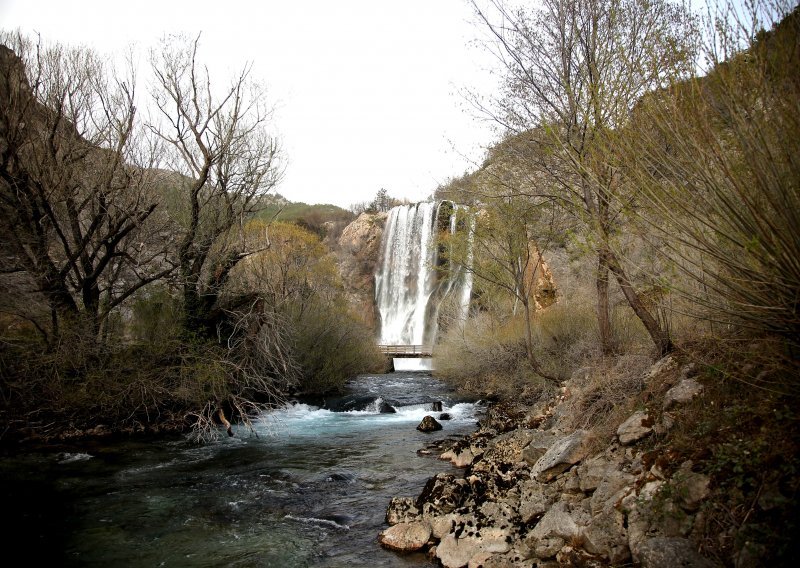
{"type": "Point", "coordinates": [310, 488]}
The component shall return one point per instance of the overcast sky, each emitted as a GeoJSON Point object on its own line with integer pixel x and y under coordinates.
{"type": "Point", "coordinates": [366, 91]}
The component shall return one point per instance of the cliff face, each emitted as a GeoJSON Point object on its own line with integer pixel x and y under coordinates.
{"type": "Point", "coordinates": [358, 257]}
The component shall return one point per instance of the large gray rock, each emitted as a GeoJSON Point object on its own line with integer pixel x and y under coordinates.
{"type": "Point", "coordinates": [636, 427]}
{"type": "Point", "coordinates": [663, 552]}
{"type": "Point", "coordinates": [592, 472]}
{"type": "Point", "coordinates": [441, 494]}
{"type": "Point", "coordinates": [562, 455]}
{"type": "Point", "coordinates": [682, 393]}
{"type": "Point", "coordinates": [538, 446]}
{"type": "Point", "coordinates": [611, 490]}
{"type": "Point", "coordinates": [406, 537]}
{"type": "Point", "coordinates": [607, 536]}
{"type": "Point", "coordinates": [554, 529]}
{"type": "Point", "coordinates": [534, 500]}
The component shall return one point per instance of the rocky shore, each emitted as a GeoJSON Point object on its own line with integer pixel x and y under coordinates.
{"type": "Point", "coordinates": [535, 493]}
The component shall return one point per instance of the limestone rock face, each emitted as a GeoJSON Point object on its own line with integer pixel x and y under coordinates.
{"type": "Point", "coordinates": [563, 454]}
{"type": "Point", "coordinates": [406, 537]}
{"type": "Point", "coordinates": [634, 428]}
{"type": "Point", "coordinates": [429, 424]}
{"type": "Point", "coordinates": [358, 257]}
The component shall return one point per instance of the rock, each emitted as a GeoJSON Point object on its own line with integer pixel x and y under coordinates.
{"type": "Point", "coordinates": [386, 408]}
{"type": "Point", "coordinates": [457, 551]}
{"type": "Point", "coordinates": [401, 510]}
{"type": "Point", "coordinates": [691, 488]}
{"type": "Point", "coordinates": [682, 393]}
{"type": "Point", "coordinates": [445, 416]}
{"type": "Point", "coordinates": [557, 523]}
{"type": "Point", "coordinates": [458, 457]}
{"type": "Point", "coordinates": [442, 494]}
{"type": "Point", "coordinates": [607, 536]}
{"type": "Point", "coordinates": [533, 501]}
{"type": "Point", "coordinates": [504, 416]}
{"type": "Point", "coordinates": [611, 490]}
{"type": "Point", "coordinates": [538, 445]}
{"type": "Point", "coordinates": [635, 428]}
{"type": "Point", "coordinates": [660, 367]}
{"type": "Point", "coordinates": [436, 406]}
{"type": "Point", "coordinates": [441, 525]}
{"type": "Point", "coordinates": [406, 537]}
{"type": "Point", "coordinates": [663, 552]}
{"type": "Point", "coordinates": [429, 424]}
{"type": "Point", "coordinates": [563, 454]}
{"type": "Point", "coordinates": [508, 448]}
{"type": "Point", "coordinates": [592, 473]}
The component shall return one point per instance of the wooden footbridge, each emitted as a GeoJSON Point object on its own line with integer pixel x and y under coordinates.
{"type": "Point", "coordinates": [407, 350]}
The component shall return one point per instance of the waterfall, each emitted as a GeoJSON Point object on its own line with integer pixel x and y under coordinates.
{"type": "Point", "coordinates": [408, 290]}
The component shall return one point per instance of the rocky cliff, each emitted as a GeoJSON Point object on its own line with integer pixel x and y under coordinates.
{"type": "Point", "coordinates": [358, 255]}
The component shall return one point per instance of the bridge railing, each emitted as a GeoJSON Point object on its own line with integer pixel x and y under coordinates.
{"type": "Point", "coordinates": [407, 350]}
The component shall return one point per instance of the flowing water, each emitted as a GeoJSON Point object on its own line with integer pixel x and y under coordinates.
{"type": "Point", "coordinates": [409, 285]}
{"type": "Point", "coordinates": [310, 490]}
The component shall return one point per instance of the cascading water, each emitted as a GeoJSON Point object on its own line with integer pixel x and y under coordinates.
{"type": "Point", "coordinates": [408, 289]}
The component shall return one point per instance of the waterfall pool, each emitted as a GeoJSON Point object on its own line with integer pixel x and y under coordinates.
{"type": "Point", "coordinates": [310, 489]}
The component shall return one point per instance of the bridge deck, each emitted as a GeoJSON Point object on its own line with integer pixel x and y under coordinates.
{"type": "Point", "coordinates": [407, 350]}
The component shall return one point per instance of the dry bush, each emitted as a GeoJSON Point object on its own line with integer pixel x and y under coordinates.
{"type": "Point", "coordinates": [488, 358]}
{"type": "Point", "coordinates": [607, 394]}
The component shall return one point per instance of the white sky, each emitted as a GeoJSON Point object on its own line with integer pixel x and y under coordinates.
{"type": "Point", "coordinates": [366, 92]}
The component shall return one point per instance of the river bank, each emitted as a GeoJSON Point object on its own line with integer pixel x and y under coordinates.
{"type": "Point", "coordinates": [665, 486]}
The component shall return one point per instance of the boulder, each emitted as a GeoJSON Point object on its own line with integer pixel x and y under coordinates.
{"type": "Point", "coordinates": [508, 447]}
{"type": "Point", "coordinates": [401, 510]}
{"type": "Point", "coordinates": [406, 537]}
{"type": "Point", "coordinates": [610, 491]}
{"type": "Point", "coordinates": [556, 526]}
{"type": "Point", "coordinates": [682, 393]}
{"type": "Point", "coordinates": [458, 551]}
{"type": "Point", "coordinates": [562, 455]}
{"type": "Point", "coordinates": [458, 457]}
{"type": "Point", "coordinates": [442, 494]}
{"type": "Point", "coordinates": [607, 536]}
{"type": "Point", "coordinates": [538, 445]}
{"type": "Point", "coordinates": [636, 427]}
{"type": "Point", "coordinates": [664, 552]}
{"type": "Point", "coordinates": [429, 424]}
{"type": "Point", "coordinates": [445, 416]}
{"type": "Point", "coordinates": [534, 500]}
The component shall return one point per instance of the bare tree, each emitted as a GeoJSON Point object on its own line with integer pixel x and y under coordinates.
{"type": "Point", "coordinates": [572, 72]}
{"type": "Point", "coordinates": [218, 140]}
{"type": "Point", "coordinates": [76, 191]}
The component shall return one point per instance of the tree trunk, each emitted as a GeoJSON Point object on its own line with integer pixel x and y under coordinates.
{"type": "Point", "coordinates": [603, 311]}
{"type": "Point", "coordinates": [659, 336]}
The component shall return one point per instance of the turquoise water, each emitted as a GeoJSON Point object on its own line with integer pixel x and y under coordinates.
{"type": "Point", "coordinates": [310, 489]}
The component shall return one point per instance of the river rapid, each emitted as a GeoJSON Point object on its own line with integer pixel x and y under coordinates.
{"type": "Point", "coordinates": [310, 488]}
